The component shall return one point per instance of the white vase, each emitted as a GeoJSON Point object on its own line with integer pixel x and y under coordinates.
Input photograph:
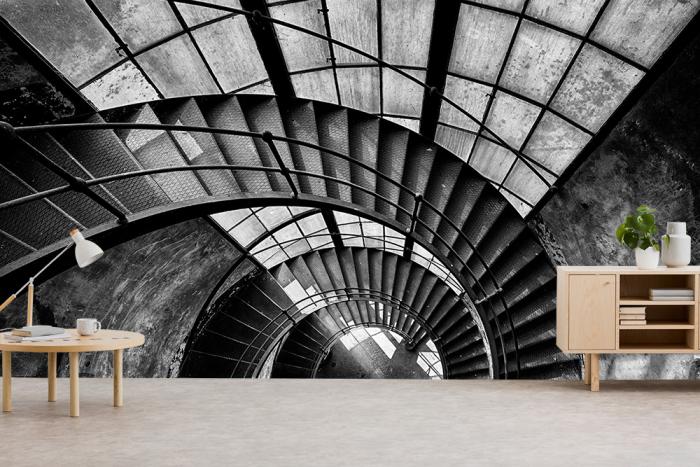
{"type": "Point", "coordinates": [646, 259]}
{"type": "Point", "coordinates": [675, 250]}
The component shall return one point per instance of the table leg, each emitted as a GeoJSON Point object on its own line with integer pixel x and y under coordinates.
{"type": "Point", "coordinates": [6, 381]}
{"type": "Point", "coordinates": [52, 376]}
{"type": "Point", "coordinates": [74, 389]}
{"type": "Point", "coordinates": [587, 368]}
{"type": "Point", "coordinates": [117, 368]}
{"type": "Point", "coordinates": [595, 372]}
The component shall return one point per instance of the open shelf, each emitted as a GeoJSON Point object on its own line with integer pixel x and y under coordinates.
{"type": "Point", "coordinates": [666, 316]}
{"type": "Point", "coordinates": [651, 337]}
{"type": "Point", "coordinates": [634, 288]}
{"type": "Point", "coordinates": [657, 348]}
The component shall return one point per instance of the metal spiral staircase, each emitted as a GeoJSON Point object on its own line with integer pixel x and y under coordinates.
{"type": "Point", "coordinates": [152, 164]}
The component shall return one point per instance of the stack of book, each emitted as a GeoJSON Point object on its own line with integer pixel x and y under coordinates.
{"type": "Point", "coordinates": [661, 295]}
{"type": "Point", "coordinates": [35, 334]}
{"type": "Point", "coordinates": [633, 315]}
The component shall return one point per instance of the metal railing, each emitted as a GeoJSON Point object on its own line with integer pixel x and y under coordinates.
{"type": "Point", "coordinates": [411, 212]}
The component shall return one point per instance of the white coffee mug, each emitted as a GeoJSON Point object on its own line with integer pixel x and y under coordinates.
{"type": "Point", "coordinates": [88, 326]}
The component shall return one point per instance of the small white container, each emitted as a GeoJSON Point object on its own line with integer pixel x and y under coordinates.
{"type": "Point", "coordinates": [675, 252]}
{"type": "Point", "coordinates": [646, 259]}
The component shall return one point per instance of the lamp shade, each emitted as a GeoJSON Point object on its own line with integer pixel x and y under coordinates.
{"type": "Point", "coordinates": [86, 252]}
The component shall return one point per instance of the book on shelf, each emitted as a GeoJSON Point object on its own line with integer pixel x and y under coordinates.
{"type": "Point", "coordinates": [679, 298]}
{"type": "Point", "coordinates": [37, 331]}
{"type": "Point", "coordinates": [671, 294]}
{"type": "Point", "coordinates": [674, 292]}
{"type": "Point", "coordinates": [633, 310]}
{"type": "Point", "coordinates": [9, 337]}
{"type": "Point", "coordinates": [633, 322]}
{"type": "Point", "coordinates": [642, 316]}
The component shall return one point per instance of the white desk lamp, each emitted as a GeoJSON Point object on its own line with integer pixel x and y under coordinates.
{"type": "Point", "coordinates": [86, 253]}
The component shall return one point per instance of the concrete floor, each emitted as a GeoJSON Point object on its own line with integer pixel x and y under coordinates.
{"type": "Point", "coordinates": [218, 422]}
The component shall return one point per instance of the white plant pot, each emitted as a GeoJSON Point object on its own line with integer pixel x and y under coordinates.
{"type": "Point", "coordinates": [675, 252]}
{"type": "Point", "coordinates": [647, 259]}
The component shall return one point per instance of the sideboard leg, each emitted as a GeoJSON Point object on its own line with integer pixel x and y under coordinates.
{"type": "Point", "coordinates": [595, 372]}
{"type": "Point", "coordinates": [587, 368]}
{"type": "Point", "coordinates": [117, 368]}
{"type": "Point", "coordinates": [6, 381]}
{"type": "Point", "coordinates": [52, 376]}
{"type": "Point", "coordinates": [74, 361]}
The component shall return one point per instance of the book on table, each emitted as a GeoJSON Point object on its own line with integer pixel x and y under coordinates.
{"type": "Point", "coordinates": [37, 331]}
{"type": "Point", "coordinates": [9, 337]}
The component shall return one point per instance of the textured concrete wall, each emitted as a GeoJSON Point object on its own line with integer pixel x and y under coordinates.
{"type": "Point", "coordinates": [27, 97]}
{"type": "Point", "coordinates": [650, 157]}
{"type": "Point", "coordinates": [155, 284]}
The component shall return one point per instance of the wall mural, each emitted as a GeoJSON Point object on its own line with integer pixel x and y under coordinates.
{"type": "Point", "coordinates": [323, 241]}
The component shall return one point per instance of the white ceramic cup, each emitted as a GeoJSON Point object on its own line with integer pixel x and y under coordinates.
{"type": "Point", "coordinates": [88, 326]}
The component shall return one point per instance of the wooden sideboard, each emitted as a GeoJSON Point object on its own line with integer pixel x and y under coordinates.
{"type": "Point", "coordinates": [588, 307]}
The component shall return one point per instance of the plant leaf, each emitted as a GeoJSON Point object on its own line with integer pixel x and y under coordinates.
{"type": "Point", "coordinates": [644, 243]}
{"type": "Point", "coordinates": [619, 232]}
{"type": "Point", "coordinates": [630, 239]}
{"type": "Point", "coordinates": [631, 222]}
{"type": "Point", "coordinates": [646, 222]}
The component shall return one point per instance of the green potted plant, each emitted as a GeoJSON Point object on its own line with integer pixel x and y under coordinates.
{"type": "Point", "coordinates": [638, 232]}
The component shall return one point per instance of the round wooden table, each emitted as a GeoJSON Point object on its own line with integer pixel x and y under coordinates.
{"type": "Point", "coordinates": [103, 340]}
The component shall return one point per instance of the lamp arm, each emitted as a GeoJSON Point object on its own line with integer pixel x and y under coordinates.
{"type": "Point", "coordinates": [12, 297]}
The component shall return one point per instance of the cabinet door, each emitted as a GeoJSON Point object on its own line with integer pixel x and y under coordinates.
{"type": "Point", "coordinates": [592, 312]}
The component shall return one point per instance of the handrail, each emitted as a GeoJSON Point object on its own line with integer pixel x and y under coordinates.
{"type": "Point", "coordinates": [266, 136]}
{"type": "Point", "coordinates": [263, 136]}
{"type": "Point", "coordinates": [201, 129]}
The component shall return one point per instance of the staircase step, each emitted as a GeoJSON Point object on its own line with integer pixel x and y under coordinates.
{"type": "Point", "coordinates": [102, 153]}
{"type": "Point", "coordinates": [463, 198]}
{"type": "Point", "coordinates": [76, 205]}
{"type": "Point", "coordinates": [20, 221]}
{"type": "Point", "coordinates": [238, 150]}
{"type": "Point", "coordinates": [363, 146]}
{"type": "Point", "coordinates": [392, 144]}
{"type": "Point", "coordinates": [332, 124]}
{"type": "Point", "coordinates": [443, 178]}
{"type": "Point", "coordinates": [155, 149]}
{"type": "Point", "coordinates": [300, 123]}
{"type": "Point", "coordinates": [417, 168]}
{"type": "Point", "coordinates": [262, 114]}
{"type": "Point", "coordinates": [198, 148]}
